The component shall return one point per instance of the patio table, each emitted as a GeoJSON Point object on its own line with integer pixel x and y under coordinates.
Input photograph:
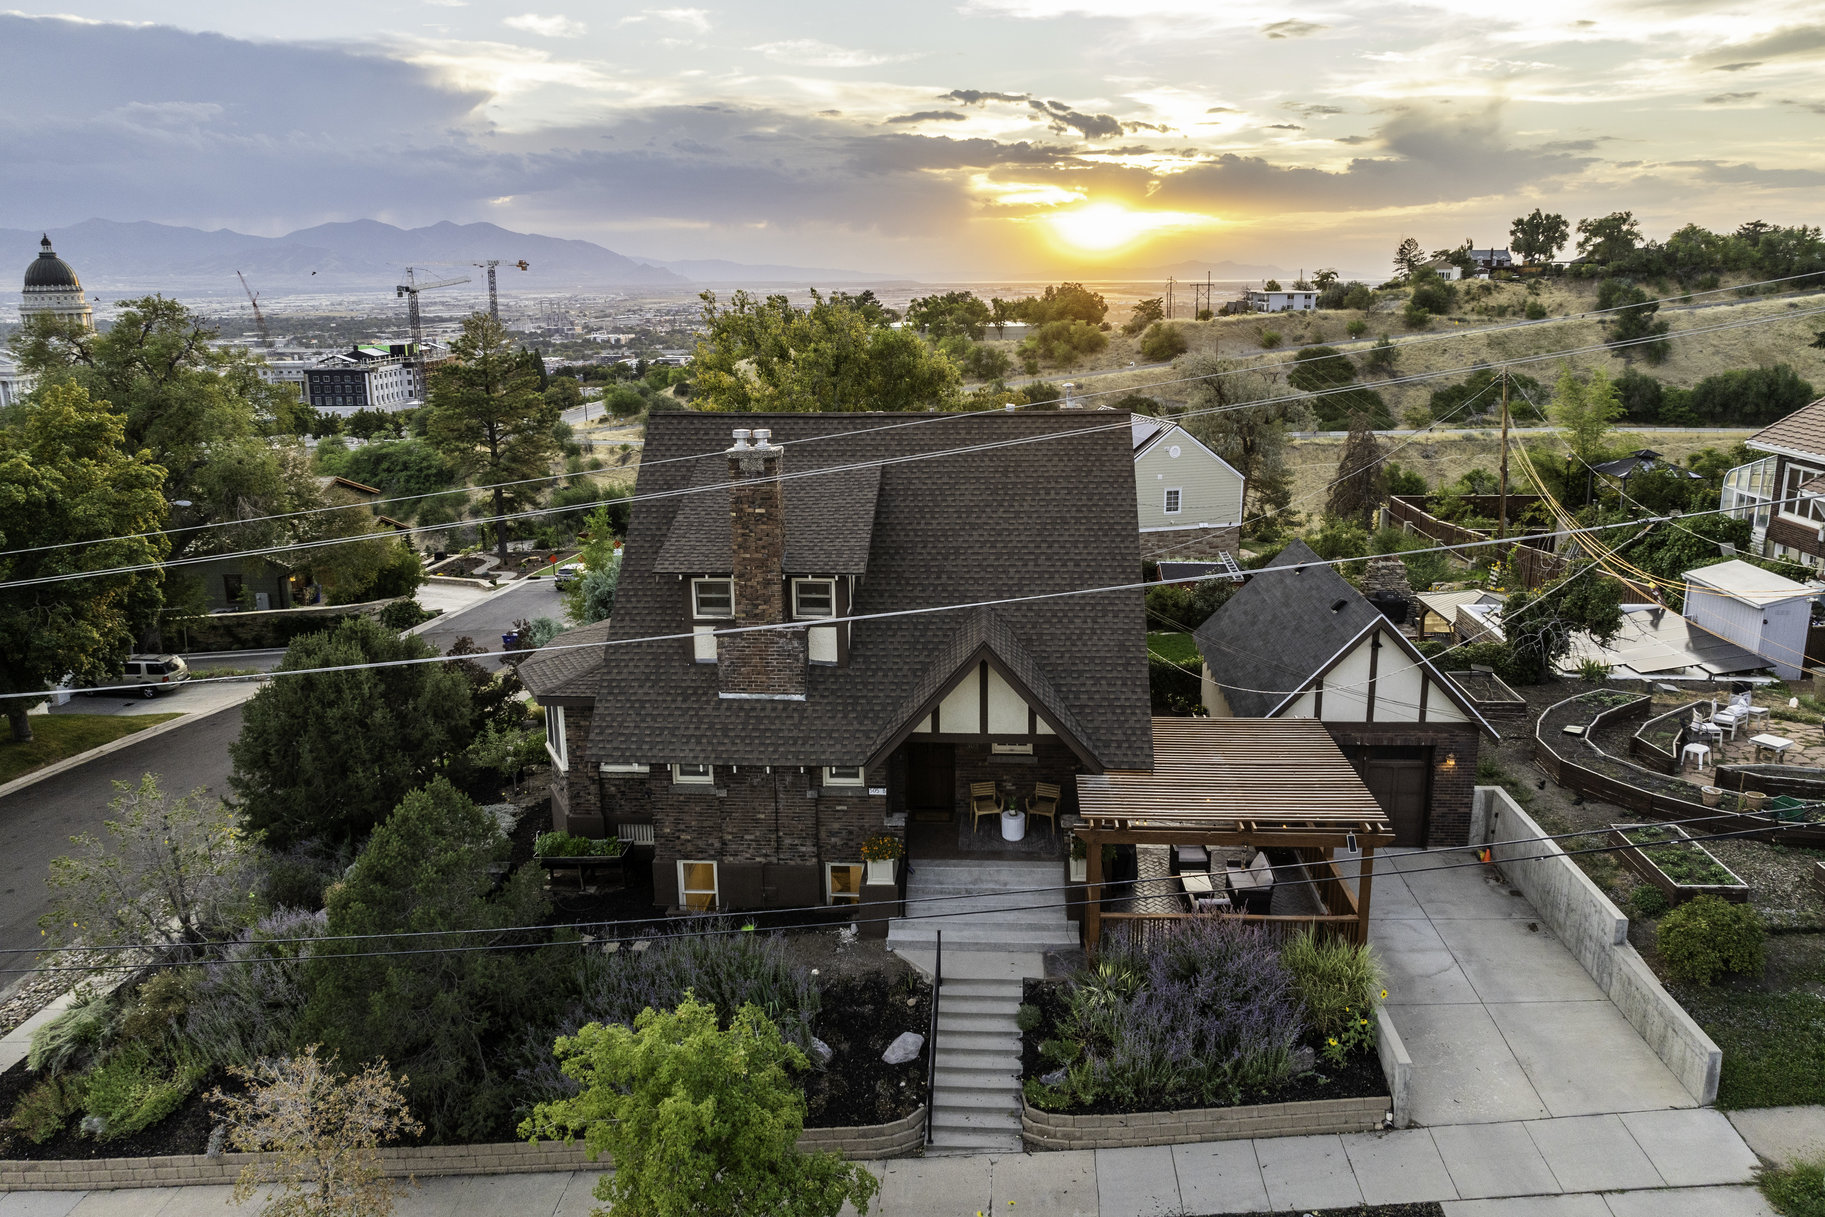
{"type": "Point", "coordinates": [1770, 743]}
{"type": "Point", "coordinates": [1013, 825]}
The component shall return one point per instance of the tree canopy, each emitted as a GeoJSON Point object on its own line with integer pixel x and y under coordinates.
{"type": "Point", "coordinates": [952, 313]}
{"type": "Point", "coordinates": [65, 476]}
{"type": "Point", "coordinates": [1539, 237]}
{"type": "Point", "coordinates": [327, 754]}
{"type": "Point", "coordinates": [486, 413]}
{"type": "Point", "coordinates": [1608, 238]}
{"type": "Point", "coordinates": [772, 355]}
{"type": "Point", "coordinates": [1252, 438]}
{"type": "Point", "coordinates": [1361, 481]}
{"type": "Point", "coordinates": [1583, 410]}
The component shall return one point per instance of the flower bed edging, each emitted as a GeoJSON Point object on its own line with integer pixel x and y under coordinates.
{"type": "Point", "coordinates": [896, 1139]}
{"type": "Point", "coordinates": [1049, 1130]}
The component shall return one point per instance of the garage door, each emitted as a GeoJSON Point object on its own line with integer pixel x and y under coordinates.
{"type": "Point", "coordinates": [1399, 785]}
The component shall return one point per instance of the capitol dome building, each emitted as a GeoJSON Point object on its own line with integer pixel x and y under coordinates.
{"type": "Point", "coordinates": [52, 287]}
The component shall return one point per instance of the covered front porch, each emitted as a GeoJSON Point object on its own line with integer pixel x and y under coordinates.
{"type": "Point", "coordinates": [1258, 819]}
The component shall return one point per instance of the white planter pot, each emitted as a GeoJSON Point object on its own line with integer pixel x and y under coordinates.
{"type": "Point", "coordinates": [880, 873]}
{"type": "Point", "coordinates": [1080, 870]}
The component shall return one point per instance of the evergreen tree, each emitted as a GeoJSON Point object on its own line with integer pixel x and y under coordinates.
{"type": "Point", "coordinates": [1361, 480]}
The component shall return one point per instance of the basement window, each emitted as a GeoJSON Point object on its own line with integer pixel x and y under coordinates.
{"type": "Point", "coordinates": [713, 597]}
{"type": "Point", "coordinates": [842, 775]}
{"type": "Point", "coordinates": [692, 775]}
{"type": "Point", "coordinates": [843, 883]}
{"type": "Point", "coordinates": [697, 886]}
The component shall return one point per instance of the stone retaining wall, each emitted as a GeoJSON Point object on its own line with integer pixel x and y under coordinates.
{"type": "Point", "coordinates": [1047, 1130]}
{"type": "Point", "coordinates": [898, 1139]}
{"type": "Point", "coordinates": [1594, 930]}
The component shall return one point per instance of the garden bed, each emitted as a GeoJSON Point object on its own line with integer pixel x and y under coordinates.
{"type": "Point", "coordinates": [1666, 857]}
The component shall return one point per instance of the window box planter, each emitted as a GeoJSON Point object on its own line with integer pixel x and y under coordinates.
{"type": "Point", "coordinates": [1663, 855]}
{"type": "Point", "coordinates": [586, 856]}
{"type": "Point", "coordinates": [881, 873]}
{"type": "Point", "coordinates": [1080, 870]}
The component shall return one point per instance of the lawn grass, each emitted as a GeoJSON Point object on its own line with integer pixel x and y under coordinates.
{"type": "Point", "coordinates": [57, 737]}
{"type": "Point", "coordinates": [1770, 1043]}
{"type": "Point", "coordinates": [1175, 647]}
{"type": "Point", "coordinates": [1795, 1191]}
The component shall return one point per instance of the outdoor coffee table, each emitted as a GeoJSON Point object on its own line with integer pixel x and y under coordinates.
{"type": "Point", "coordinates": [1013, 825]}
{"type": "Point", "coordinates": [1770, 743]}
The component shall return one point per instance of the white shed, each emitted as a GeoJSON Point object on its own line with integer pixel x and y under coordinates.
{"type": "Point", "coordinates": [1756, 609]}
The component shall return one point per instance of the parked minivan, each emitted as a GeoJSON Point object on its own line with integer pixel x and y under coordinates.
{"type": "Point", "coordinates": [153, 673]}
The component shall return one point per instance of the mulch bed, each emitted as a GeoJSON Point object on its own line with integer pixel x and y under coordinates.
{"type": "Point", "coordinates": [184, 1131]}
{"type": "Point", "coordinates": [1360, 1077]}
{"type": "Point", "coordinates": [862, 1015]}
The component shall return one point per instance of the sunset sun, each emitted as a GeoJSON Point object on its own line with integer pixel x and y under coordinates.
{"type": "Point", "coordinates": [1102, 227]}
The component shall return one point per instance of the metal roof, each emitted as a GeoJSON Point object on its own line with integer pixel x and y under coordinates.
{"type": "Point", "coordinates": [1259, 776]}
{"type": "Point", "coordinates": [1751, 584]}
{"type": "Point", "coordinates": [1659, 642]}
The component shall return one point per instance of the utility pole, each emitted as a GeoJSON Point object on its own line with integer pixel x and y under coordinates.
{"type": "Point", "coordinates": [1501, 529]}
{"type": "Point", "coordinates": [1169, 283]}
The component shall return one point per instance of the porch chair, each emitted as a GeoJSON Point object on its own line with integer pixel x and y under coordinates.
{"type": "Point", "coordinates": [985, 800]}
{"type": "Point", "coordinates": [1044, 805]}
{"type": "Point", "coordinates": [1702, 730]}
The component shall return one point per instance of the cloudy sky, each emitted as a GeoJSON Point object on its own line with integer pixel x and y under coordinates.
{"type": "Point", "coordinates": [965, 139]}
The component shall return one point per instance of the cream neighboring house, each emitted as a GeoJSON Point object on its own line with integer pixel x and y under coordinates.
{"type": "Point", "coordinates": [1189, 499]}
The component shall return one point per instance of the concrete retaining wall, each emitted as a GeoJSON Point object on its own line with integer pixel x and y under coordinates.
{"type": "Point", "coordinates": [1594, 930]}
{"type": "Point", "coordinates": [1396, 1066]}
{"type": "Point", "coordinates": [900, 1138]}
{"type": "Point", "coordinates": [1046, 1130]}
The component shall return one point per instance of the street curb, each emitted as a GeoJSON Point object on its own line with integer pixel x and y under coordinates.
{"type": "Point", "coordinates": [83, 758]}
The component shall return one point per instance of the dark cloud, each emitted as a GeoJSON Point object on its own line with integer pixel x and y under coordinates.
{"type": "Point", "coordinates": [1753, 175]}
{"type": "Point", "coordinates": [1292, 29]}
{"type": "Point", "coordinates": [1222, 110]}
{"type": "Point", "coordinates": [1724, 99]}
{"type": "Point", "coordinates": [929, 116]}
{"type": "Point", "coordinates": [1312, 110]}
{"type": "Point", "coordinates": [975, 97]}
{"type": "Point", "coordinates": [1793, 40]}
{"type": "Point", "coordinates": [1284, 127]}
{"type": "Point", "coordinates": [1351, 139]}
{"type": "Point", "coordinates": [1434, 156]}
{"type": "Point", "coordinates": [1738, 67]}
{"type": "Point", "coordinates": [1817, 107]}
{"type": "Point", "coordinates": [1132, 127]}
{"type": "Point", "coordinates": [1062, 118]}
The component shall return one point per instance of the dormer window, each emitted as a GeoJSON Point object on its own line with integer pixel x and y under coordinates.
{"type": "Point", "coordinates": [813, 598]}
{"type": "Point", "coordinates": [713, 597]}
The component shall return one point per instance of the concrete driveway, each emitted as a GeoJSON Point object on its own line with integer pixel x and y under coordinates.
{"type": "Point", "coordinates": [1501, 1021]}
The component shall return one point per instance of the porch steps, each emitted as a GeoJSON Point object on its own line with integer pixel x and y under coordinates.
{"type": "Point", "coordinates": [998, 918]}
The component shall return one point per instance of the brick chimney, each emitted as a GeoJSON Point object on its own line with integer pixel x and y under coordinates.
{"type": "Point", "coordinates": [764, 663]}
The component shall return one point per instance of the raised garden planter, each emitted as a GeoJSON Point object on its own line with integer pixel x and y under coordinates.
{"type": "Point", "coordinates": [1490, 694]}
{"type": "Point", "coordinates": [1664, 856]}
{"type": "Point", "coordinates": [1050, 1130]}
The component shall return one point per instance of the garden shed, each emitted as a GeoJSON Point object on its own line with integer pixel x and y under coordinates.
{"type": "Point", "coordinates": [1754, 608]}
{"type": "Point", "coordinates": [1278, 786]}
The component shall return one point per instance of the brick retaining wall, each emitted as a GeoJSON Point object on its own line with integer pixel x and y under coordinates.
{"type": "Point", "coordinates": [1046, 1130]}
{"type": "Point", "coordinates": [898, 1139]}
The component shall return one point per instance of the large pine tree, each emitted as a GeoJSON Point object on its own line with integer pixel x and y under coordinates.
{"type": "Point", "coordinates": [1362, 479]}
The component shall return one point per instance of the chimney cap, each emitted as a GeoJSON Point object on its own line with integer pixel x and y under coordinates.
{"type": "Point", "coordinates": [763, 437]}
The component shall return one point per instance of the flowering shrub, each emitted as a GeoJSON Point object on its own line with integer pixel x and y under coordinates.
{"type": "Point", "coordinates": [882, 847]}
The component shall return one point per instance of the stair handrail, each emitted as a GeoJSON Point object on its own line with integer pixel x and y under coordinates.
{"type": "Point", "coordinates": [931, 1040]}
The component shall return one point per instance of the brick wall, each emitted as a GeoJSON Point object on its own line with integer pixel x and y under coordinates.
{"type": "Point", "coordinates": [1192, 544]}
{"type": "Point", "coordinates": [1794, 536]}
{"type": "Point", "coordinates": [576, 801]}
{"type": "Point", "coordinates": [1052, 761]}
{"type": "Point", "coordinates": [770, 833]}
{"type": "Point", "coordinates": [1047, 1130]}
{"type": "Point", "coordinates": [1453, 785]}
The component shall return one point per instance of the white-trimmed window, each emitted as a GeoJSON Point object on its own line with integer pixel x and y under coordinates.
{"type": "Point", "coordinates": [697, 886]}
{"type": "Point", "coordinates": [843, 883]}
{"type": "Point", "coordinates": [843, 775]}
{"type": "Point", "coordinates": [1174, 495]}
{"type": "Point", "coordinates": [713, 597]}
{"type": "Point", "coordinates": [693, 775]}
{"type": "Point", "coordinates": [626, 767]}
{"type": "Point", "coordinates": [813, 598]}
{"type": "Point", "coordinates": [554, 737]}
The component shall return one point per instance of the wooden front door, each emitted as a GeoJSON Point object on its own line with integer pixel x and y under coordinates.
{"type": "Point", "coordinates": [1400, 786]}
{"type": "Point", "coordinates": [931, 791]}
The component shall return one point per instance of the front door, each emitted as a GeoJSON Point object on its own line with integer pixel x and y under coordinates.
{"type": "Point", "coordinates": [1399, 785]}
{"type": "Point", "coordinates": [931, 792]}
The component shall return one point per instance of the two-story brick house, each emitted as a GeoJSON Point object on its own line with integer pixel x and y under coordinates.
{"type": "Point", "coordinates": [775, 687]}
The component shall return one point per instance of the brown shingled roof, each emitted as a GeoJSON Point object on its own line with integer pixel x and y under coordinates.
{"type": "Point", "coordinates": [968, 508]}
{"type": "Point", "coordinates": [1803, 431]}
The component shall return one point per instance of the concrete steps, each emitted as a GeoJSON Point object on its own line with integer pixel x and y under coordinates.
{"type": "Point", "coordinates": [998, 920]}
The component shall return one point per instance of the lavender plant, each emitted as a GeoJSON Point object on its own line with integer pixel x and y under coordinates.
{"type": "Point", "coordinates": [246, 1005]}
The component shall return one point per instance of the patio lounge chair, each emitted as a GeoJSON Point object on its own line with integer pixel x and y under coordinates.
{"type": "Point", "coordinates": [1700, 729]}
{"type": "Point", "coordinates": [1044, 805]}
{"type": "Point", "coordinates": [985, 800]}
{"type": "Point", "coordinates": [1253, 885]}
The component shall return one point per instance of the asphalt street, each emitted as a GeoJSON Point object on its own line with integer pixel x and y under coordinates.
{"type": "Point", "coordinates": [38, 821]}
{"type": "Point", "coordinates": [488, 619]}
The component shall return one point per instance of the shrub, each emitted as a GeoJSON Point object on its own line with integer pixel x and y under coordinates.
{"type": "Point", "coordinates": [1338, 981]}
{"type": "Point", "coordinates": [45, 1110]}
{"type": "Point", "coordinates": [132, 1091]}
{"type": "Point", "coordinates": [246, 1005]}
{"type": "Point", "coordinates": [67, 1041]}
{"type": "Point", "coordinates": [1357, 327]}
{"type": "Point", "coordinates": [1415, 317]}
{"type": "Point", "coordinates": [561, 844]}
{"type": "Point", "coordinates": [698, 1119]}
{"type": "Point", "coordinates": [1028, 1017]}
{"type": "Point", "coordinates": [403, 614]}
{"type": "Point", "coordinates": [1535, 311]}
{"type": "Point", "coordinates": [1647, 901]}
{"type": "Point", "coordinates": [1270, 339]}
{"type": "Point", "coordinates": [1706, 937]}
{"type": "Point", "coordinates": [1162, 342]}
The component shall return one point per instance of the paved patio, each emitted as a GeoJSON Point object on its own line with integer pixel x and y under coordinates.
{"type": "Point", "coordinates": [1501, 1021]}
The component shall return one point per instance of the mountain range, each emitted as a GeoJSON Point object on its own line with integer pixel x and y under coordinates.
{"type": "Point", "coordinates": [367, 254]}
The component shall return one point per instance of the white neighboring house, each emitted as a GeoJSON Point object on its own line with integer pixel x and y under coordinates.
{"type": "Point", "coordinates": [1756, 609]}
{"type": "Point", "coordinates": [14, 384]}
{"type": "Point", "coordinates": [1188, 499]}
{"type": "Point", "coordinates": [1302, 301]}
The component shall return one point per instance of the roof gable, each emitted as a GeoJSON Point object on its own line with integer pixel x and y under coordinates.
{"type": "Point", "coordinates": [1801, 433]}
{"type": "Point", "coordinates": [829, 518]}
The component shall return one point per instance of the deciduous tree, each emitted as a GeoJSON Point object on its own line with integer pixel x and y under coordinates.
{"type": "Point", "coordinates": [486, 412]}
{"type": "Point", "coordinates": [947, 314]}
{"type": "Point", "coordinates": [1251, 437]}
{"type": "Point", "coordinates": [697, 1120]}
{"type": "Point", "coordinates": [1538, 237]}
{"type": "Point", "coordinates": [1609, 238]}
{"type": "Point", "coordinates": [66, 476]}
{"type": "Point", "coordinates": [1583, 410]}
{"type": "Point", "coordinates": [1146, 313]}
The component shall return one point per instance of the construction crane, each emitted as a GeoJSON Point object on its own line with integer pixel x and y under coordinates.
{"type": "Point", "coordinates": [259, 318]}
{"type": "Point", "coordinates": [494, 305]}
{"type": "Point", "coordinates": [410, 289]}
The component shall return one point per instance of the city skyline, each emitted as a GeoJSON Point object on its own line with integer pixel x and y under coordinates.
{"type": "Point", "coordinates": [970, 140]}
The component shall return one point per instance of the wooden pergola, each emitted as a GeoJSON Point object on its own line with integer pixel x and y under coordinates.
{"type": "Point", "coordinates": [1226, 782]}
